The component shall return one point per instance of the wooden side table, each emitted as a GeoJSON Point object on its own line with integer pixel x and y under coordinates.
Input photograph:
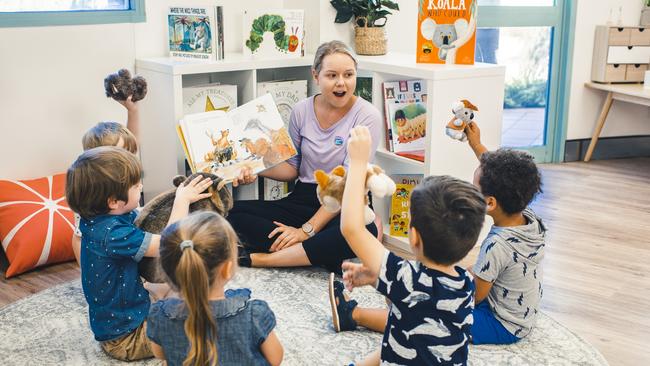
{"type": "Point", "coordinates": [630, 93]}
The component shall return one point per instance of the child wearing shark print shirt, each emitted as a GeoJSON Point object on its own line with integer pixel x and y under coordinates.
{"type": "Point", "coordinates": [431, 298]}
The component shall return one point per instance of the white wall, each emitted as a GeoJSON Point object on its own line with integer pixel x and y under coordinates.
{"type": "Point", "coordinates": [51, 92]}
{"type": "Point", "coordinates": [51, 78]}
{"type": "Point", "coordinates": [584, 105]}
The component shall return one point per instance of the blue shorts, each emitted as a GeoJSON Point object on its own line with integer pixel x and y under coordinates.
{"type": "Point", "coordinates": [487, 329]}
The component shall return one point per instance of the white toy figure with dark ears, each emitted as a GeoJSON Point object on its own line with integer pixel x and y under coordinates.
{"type": "Point", "coordinates": [463, 111]}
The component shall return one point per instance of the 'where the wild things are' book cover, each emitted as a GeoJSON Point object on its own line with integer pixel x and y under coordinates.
{"type": "Point", "coordinates": [209, 97]}
{"type": "Point", "coordinates": [252, 135]}
{"type": "Point", "coordinates": [195, 32]}
{"type": "Point", "coordinates": [274, 33]}
{"type": "Point", "coordinates": [405, 108]}
{"type": "Point", "coordinates": [446, 32]}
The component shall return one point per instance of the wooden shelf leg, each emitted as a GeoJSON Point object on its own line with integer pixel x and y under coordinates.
{"type": "Point", "coordinates": [599, 126]}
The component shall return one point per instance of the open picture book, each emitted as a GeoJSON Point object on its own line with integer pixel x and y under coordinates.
{"type": "Point", "coordinates": [252, 135]}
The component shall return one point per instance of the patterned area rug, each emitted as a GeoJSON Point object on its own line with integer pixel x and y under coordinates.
{"type": "Point", "coordinates": [51, 328]}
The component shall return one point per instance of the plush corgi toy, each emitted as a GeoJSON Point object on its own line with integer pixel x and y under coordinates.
{"type": "Point", "coordinates": [330, 188]}
{"type": "Point", "coordinates": [463, 115]}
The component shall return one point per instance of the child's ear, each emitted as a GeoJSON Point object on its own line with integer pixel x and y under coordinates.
{"type": "Point", "coordinates": [113, 203]}
{"type": "Point", "coordinates": [414, 239]}
{"type": "Point", "coordinates": [227, 270]}
{"type": "Point", "coordinates": [491, 203]}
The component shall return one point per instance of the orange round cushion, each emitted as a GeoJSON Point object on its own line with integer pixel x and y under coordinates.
{"type": "Point", "coordinates": [36, 223]}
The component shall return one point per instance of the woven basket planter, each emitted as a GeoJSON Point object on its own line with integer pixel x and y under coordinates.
{"type": "Point", "coordinates": [370, 40]}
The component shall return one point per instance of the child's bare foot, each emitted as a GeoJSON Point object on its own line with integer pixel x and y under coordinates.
{"type": "Point", "coordinates": [158, 291]}
{"type": "Point", "coordinates": [342, 306]}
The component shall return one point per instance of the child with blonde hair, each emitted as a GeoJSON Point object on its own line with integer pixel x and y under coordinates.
{"type": "Point", "coordinates": [110, 134]}
{"type": "Point", "coordinates": [103, 186]}
{"type": "Point", "coordinates": [208, 325]}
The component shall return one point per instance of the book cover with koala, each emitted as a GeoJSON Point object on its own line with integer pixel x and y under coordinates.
{"type": "Point", "coordinates": [222, 143]}
{"type": "Point", "coordinates": [405, 106]}
{"type": "Point", "coordinates": [190, 31]}
{"type": "Point", "coordinates": [274, 33]}
{"type": "Point", "coordinates": [446, 31]}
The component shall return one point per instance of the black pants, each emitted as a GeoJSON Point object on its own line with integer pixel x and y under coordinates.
{"type": "Point", "coordinates": [253, 222]}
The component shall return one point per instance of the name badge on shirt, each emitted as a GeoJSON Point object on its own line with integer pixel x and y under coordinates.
{"type": "Point", "coordinates": [338, 140]}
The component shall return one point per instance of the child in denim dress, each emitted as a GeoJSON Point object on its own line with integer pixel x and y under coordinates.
{"type": "Point", "coordinates": [207, 325]}
{"type": "Point", "coordinates": [103, 185]}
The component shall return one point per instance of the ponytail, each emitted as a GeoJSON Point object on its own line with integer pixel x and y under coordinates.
{"type": "Point", "coordinates": [200, 327]}
{"type": "Point", "coordinates": [191, 250]}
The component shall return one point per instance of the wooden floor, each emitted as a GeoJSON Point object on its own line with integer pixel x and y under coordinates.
{"type": "Point", "coordinates": [597, 265]}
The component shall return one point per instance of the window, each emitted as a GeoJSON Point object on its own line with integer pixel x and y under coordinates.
{"type": "Point", "coordinates": [13, 6]}
{"type": "Point", "coordinates": [31, 13]}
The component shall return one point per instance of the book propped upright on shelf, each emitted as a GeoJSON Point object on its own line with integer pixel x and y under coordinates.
{"type": "Point", "coordinates": [272, 34]}
{"type": "Point", "coordinates": [209, 97]}
{"type": "Point", "coordinates": [400, 203]}
{"type": "Point", "coordinates": [191, 32]}
{"type": "Point", "coordinates": [250, 136]}
{"type": "Point", "coordinates": [446, 31]}
{"type": "Point", "coordinates": [405, 109]}
{"type": "Point", "coordinates": [285, 93]}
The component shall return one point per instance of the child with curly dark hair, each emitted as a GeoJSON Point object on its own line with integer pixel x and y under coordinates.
{"type": "Point", "coordinates": [508, 271]}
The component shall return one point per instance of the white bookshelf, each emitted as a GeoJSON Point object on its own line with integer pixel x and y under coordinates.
{"type": "Point", "coordinates": [161, 152]}
{"type": "Point", "coordinates": [482, 84]}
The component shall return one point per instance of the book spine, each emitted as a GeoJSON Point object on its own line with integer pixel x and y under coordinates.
{"type": "Point", "coordinates": [389, 130]}
{"type": "Point", "coordinates": [220, 49]}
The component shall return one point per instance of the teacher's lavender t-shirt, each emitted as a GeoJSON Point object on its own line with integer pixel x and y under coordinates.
{"type": "Point", "coordinates": [326, 148]}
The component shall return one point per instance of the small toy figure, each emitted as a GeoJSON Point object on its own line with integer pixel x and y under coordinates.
{"type": "Point", "coordinates": [121, 85]}
{"type": "Point", "coordinates": [463, 115]}
{"type": "Point", "coordinates": [330, 188]}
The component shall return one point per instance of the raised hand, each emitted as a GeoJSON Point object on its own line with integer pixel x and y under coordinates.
{"type": "Point", "coordinates": [359, 144]}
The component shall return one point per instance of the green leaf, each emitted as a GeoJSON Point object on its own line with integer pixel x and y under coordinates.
{"type": "Point", "coordinates": [343, 16]}
{"type": "Point", "coordinates": [389, 4]}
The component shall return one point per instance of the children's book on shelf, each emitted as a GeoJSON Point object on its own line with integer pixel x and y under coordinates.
{"type": "Point", "coordinates": [191, 32]}
{"type": "Point", "coordinates": [400, 217]}
{"type": "Point", "coordinates": [415, 155]}
{"type": "Point", "coordinates": [446, 32]}
{"type": "Point", "coordinates": [221, 53]}
{"type": "Point", "coordinates": [274, 190]}
{"type": "Point", "coordinates": [405, 111]}
{"type": "Point", "coordinates": [252, 135]}
{"type": "Point", "coordinates": [273, 33]}
{"type": "Point", "coordinates": [285, 93]}
{"type": "Point", "coordinates": [209, 97]}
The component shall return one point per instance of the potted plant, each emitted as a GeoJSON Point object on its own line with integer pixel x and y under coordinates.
{"type": "Point", "coordinates": [369, 19]}
{"type": "Point", "coordinates": [645, 13]}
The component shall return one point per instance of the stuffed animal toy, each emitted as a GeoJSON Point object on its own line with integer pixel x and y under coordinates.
{"type": "Point", "coordinates": [120, 85]}
{"type": "Point", "coordinates": [154, 216]}
{"type": "Point", "coordinates": [463, 115]}
{"type": "Point", "coordinates": [330, 188]}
